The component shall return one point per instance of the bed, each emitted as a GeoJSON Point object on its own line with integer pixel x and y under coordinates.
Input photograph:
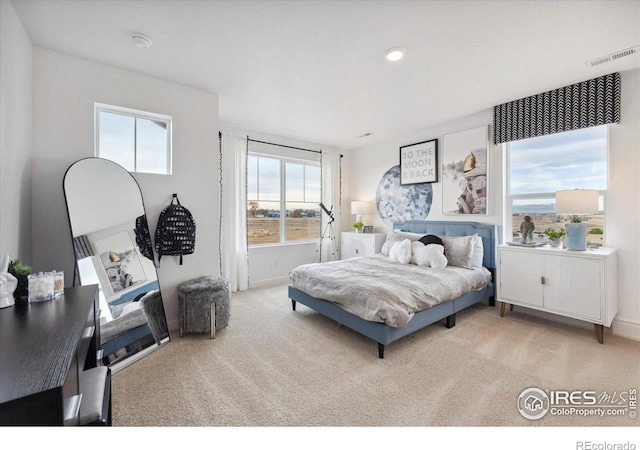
{"type": "Point", "coordinates": [376, 328]}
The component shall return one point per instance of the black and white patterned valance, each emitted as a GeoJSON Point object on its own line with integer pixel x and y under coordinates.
{"type": "Point", "coordinates": [581, 105]}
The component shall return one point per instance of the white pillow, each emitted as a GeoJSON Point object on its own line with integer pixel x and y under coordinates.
{"type": "Point", "coordinates": [477, 254]}
{"type": "Point", "coordinates": [396, 236]}
{"type": "Point", "coordinates": [401, 252]}
{"type": "Point", "coordinates": [459, 250]}
{"type": "Point", "coordinates": [431, 255]}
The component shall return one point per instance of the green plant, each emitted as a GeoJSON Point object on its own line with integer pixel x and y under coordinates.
{"type": "Point", "coordinates": [358, 225]}
{"type": "Point", "coordinates": [554, 234]}
{"type": "Point", "coordinates": [18, 269]}
{"type": "Point", "coordinates": [596, 231]}
{"type": "Point", "coordinates": [576, 219]}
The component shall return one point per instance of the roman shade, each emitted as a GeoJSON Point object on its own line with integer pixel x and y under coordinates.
{"type": "Point", "coordinates": [581, 105]}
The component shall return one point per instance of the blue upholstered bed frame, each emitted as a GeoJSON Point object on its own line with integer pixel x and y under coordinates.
{"type": "Point", "coordinates": [384, 334]}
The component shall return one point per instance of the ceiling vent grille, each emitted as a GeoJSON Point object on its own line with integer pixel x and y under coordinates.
{"type": "Point", "coordinates": [614, 56]}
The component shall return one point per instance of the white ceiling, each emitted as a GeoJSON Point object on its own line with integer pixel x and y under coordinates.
{"type": "Point", "coordinates": [313, 70]}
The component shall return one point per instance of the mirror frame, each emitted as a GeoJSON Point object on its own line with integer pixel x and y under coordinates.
{"type": "Point", "coordinates": [140, 325]}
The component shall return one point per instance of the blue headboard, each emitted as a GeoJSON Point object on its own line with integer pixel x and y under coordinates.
{"type": "Point", "coordinates": [489, 234]}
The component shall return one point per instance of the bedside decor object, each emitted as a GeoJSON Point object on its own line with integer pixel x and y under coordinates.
{"type": "Point", "coordinates": [464, 172]}
{"type": "Point", "coordinates": [367, 229]}
{"type": "Point", "coordinates": [526, 229]}
{"type": "Point", "coordinates": [555, 236]}
{"type": "Point", "coordinates": [419, 163]}
{"type": "Point", "coordinates": [576, 202]}
{"type": "Point", "coordinates": [360, 208]}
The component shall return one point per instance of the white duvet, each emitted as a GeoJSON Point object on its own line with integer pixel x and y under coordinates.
{"type": "Point", "coordinates": [379, 290]}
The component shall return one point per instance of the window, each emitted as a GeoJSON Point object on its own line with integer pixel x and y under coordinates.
{"type": "Point", "coordinates": [283, 200]}
{"type": "Point", "coordinates": [139, 141]}
{"type": "Point", "coordinates": [540, 166]}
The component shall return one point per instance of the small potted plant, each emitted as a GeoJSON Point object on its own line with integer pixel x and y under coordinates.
{"type": "Point", "coordinates": [358, 226]}
{"type": "Point", "coordinates": [21, 272]}
{"type": "Point", "coordinates": [555, 236]}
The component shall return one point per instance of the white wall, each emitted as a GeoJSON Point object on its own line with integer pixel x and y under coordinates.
{"type": "Point", "coordinates": [368, 163]}
{"type": "Point", "coordinates": [65, 89]}
{"type": "Point", "coordinates": [16, 65]}
{"type": "Point", "coordinates": [272, 263]}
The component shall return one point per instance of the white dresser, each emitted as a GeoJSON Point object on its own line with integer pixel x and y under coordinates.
{"type": "Point", "coordinates": [360, 244]}
{"type": "Point", "coordinates": [577, 284]}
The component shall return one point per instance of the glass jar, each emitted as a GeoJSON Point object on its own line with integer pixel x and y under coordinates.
{"type": "Point", "coordinates": [58, 283]}
{"type": "Point", "coordinates": [41, 287]}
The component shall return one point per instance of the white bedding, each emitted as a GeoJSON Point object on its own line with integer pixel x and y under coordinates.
{"type": "Point", "coordinates": [379, 290]}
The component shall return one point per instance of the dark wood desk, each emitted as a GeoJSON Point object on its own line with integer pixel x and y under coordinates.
{"type": "Point", "coordinates": [44, 348]}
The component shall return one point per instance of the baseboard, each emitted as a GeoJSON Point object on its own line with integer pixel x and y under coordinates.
{"type": "Point", "coordinates": [268, 283]}
{"type": "Point", "coordinates": [627, 328]}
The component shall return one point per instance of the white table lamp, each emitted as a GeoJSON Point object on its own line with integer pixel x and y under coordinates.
{"type": "Point", "coordinates": [359, 208]}
{"type": "Point", "coordinates": [577, 202]}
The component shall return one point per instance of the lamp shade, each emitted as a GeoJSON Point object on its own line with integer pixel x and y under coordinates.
{"type": "Point", "coordinates": [360, 207]}
{"type": "Point", "coordinates": [577, 201]}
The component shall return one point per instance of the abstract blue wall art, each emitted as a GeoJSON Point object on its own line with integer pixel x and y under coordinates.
{"type": "Point", "coordinates": [396, 202]}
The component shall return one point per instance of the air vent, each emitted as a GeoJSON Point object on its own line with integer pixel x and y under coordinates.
{"type": "Point", "coordinates": [614, 56]}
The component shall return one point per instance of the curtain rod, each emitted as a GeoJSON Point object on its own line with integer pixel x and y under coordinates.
{"type": "Point", "coordinates": [286, 146]}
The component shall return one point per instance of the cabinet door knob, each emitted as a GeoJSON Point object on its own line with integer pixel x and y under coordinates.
{"type": "Point", "coordinates": [542, 280]}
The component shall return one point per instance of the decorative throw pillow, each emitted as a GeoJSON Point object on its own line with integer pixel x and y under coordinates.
{"type": "Point", "coordinates": [478, 251]}
{"type": "Point", "coordinates": [431, 239]}
{"type": "Point", "coordinates": [395, 236]}
{"type": "Point", "coordinates": [431, 255]}
{"type": "Point", "coordinates": [459, 250]}
{"type": "Point", "coordinates": [401, 252]}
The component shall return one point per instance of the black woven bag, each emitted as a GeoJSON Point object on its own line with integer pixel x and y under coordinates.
{"type": "Point", "coordinates": [143, 237]}
{"type": "Point", "coordinates": [176, 231]}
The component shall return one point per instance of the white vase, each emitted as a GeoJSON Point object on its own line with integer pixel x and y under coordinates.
{"type": "Point", "coordinates": [555, 242]}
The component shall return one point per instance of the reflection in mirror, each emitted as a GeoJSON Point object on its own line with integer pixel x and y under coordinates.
{"type": "Point", "coordinates": [112, 246]}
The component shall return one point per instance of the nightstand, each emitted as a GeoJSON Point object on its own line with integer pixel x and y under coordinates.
{"type": "Point", "coordinates": [360, 244]}
{"type": "Point", "coordinates": [577, 284]}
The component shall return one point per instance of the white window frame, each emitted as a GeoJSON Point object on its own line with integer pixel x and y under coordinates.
{"type": "Point", "coordinates": [507, 219]}
{"type": "Point", "coordinates": [283, 200]}
{"type": "Point", "coordinates": [136, 114]}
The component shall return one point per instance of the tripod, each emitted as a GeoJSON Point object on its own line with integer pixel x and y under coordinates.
{"type": "Point", "coordinates": [328, 232]}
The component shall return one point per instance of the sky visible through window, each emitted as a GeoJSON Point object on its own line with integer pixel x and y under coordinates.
{"type": "Point", "coordinates": [302, 183]}
{"type": "Point", "coordinates": [571, 160]}
{"type": "Point", "coordinates": [137, 144]}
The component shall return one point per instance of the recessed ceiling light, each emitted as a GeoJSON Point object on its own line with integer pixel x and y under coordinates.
{"type": "Point", "coordinates": [394, 54]}
{"type": "Point", "coordinates": [141, 41]}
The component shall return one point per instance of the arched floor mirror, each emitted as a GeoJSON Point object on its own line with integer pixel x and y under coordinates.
{"type": "Point", "coordinates": [112, 247]}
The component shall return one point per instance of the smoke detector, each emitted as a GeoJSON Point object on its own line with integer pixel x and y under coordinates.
{"type": "Point", "coordinates": [613, 56]}
{"type": "Point", "coordinates": [141, 41]}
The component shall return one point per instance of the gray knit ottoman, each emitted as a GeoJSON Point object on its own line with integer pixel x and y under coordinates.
{"type": "Point", "coordinates": [203, 305]}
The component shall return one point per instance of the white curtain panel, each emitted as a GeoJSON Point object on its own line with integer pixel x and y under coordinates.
{"type": "Point", "coordinates": [331, 196]}
{"type": "Point", "coordinates": [233, 211]}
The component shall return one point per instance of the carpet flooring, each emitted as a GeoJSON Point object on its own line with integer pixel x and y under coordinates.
{"type": "Point", "coordinates": [274, 367]}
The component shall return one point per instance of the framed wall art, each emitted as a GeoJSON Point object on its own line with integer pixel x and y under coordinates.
{"type": "Point", "coordinates": [419, 163]}
{"type": "Point", "coordinates": [120, 262]}
{"type": "Point", "coordinates": [464, 171]}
